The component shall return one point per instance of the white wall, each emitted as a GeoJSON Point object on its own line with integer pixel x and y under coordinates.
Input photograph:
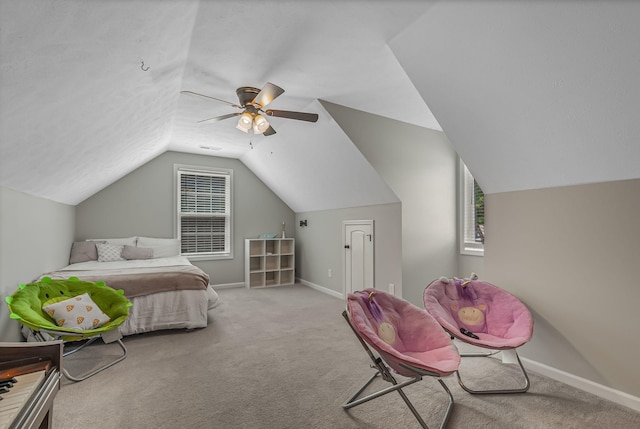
{"type": "Point", "coordinates": [35, 237]}
{"type": "Point", "coordinates": [319, 246]}
{"type": "Point", "coordinates": [419, 165]}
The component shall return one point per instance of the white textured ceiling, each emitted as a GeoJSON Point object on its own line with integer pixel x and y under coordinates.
{"type": "Point", "coordinates": [531, 94]}
{"type": "Point", "coordinates": [80, 109]}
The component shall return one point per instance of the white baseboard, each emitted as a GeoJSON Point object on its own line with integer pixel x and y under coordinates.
{"type": "Point", "coordinates": [227, 285]}
{"type": "Point", "coordinates": [589, 386]}
{"type": "Point", "coordinates": [322, 289]}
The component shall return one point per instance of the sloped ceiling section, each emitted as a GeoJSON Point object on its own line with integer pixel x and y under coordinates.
{"type": "Point", "coordinates": [306, 179]}
{"type": "Point", "coordinates": [91, 90]}
{"type": "Point", "coordinates": [77, 109]}
{"type": "Point", "coordinates": [328, 50]}
{"type": "Point", "coordinates": [532, 94]}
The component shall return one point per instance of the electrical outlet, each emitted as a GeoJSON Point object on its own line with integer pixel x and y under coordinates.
{"type": "Point", "coordinates": [392, 289]}
{"type": "Point", "coordinates": [329, 272]}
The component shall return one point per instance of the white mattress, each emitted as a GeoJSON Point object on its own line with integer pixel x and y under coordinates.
{"type": "Point", "coordinates": [183, 309]}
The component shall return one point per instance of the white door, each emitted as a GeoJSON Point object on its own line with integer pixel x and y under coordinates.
{"type": "Point", "coordinates": [358, 255]}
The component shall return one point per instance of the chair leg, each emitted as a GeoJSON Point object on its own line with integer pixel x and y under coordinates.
{"type": "Point", "coordinates": [449, 409]}
{"type": "Point", "coordinates": [522, 389]}
{"type": "Point", "coordinates": [383, 371]}
{"type": "Point", "coordinates": [353, 397]}
{"type": "Point", "coordinates": [447, 414]}
{"type": "Point", "coordinates": [94, 372]}
{"type": "Point", "coordinates": [353, 401]}
{"type": "Point", "coordinates": [80, 347]}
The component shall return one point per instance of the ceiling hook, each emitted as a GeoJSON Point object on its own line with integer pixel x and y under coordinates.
{"type": "Point", "coordinates": [142, 67]}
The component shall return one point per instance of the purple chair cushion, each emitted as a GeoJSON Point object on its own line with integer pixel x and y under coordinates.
{"type": "Point", "coordinates": [401, 332]}
{"type": "Point", "coordinates": [498, 318]}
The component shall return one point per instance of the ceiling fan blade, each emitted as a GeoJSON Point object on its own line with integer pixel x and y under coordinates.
{"type": "Point", "coordinates": [267, 94]}
{"type": "Point", "coordinates": [211, 98]}
{"type": "Point", "coordinates": [270, 131]}
{"type": "Point", "coordinates": [301, 116]}
{"type": "Point", "coordinates": [220, 118]}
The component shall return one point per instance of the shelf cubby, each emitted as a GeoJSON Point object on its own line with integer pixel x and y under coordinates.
{"type": "Point", "coordinates": [272, 278]}
{"type": "Point", "coordinates": [256, 279]}
{"type": "Point", "coordinates": [286, 277]}
{"type": "Point", "coordinates": [256, 248]}
{"type": "Point", "coordinates": [286, 262]}
{"type": "Point", "coordinates": [269, 262]}
{"type": "Point", "coordinates": [256, 264]}
{"type": "Point", "coordinates": [286, 247]}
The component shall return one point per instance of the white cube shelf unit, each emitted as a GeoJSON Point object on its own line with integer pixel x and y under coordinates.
{"type": "Point", "coordinates": [269, 262]}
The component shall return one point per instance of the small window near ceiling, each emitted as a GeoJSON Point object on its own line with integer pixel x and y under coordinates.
{"type": "Point", "coordinates": [472, 214]}
{"type": "Point", "coordinates": [203, 220]}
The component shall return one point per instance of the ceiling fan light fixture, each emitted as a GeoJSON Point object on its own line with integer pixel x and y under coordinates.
{"type": "Point", "coordinates": [260, 124]}
{"type": "Point", "coordinates": [252, 114]}
{"type": "Point", "coordinates": [244, 122]}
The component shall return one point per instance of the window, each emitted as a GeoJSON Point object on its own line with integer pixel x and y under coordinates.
{"type": "Point", "coordinates": [472, 214]}
{"type": "Point", "coordinates": [204, 212]}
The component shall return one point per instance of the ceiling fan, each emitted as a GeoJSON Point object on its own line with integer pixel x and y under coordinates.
{"type": "Point", "coordinates": [252, 102]}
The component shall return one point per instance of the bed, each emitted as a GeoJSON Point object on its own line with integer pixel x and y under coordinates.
{"type": "Point", "coordinates": [167, 291]}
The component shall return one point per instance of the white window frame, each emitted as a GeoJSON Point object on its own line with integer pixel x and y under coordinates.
{"type": "Point", "coordinates": [228, 215]}
{"type": "Point", "coordinates": [466, 220]}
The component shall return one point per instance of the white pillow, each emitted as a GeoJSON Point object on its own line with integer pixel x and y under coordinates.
{"type": "Point", "coordinates": [129, 241]}
{"type": "Point", "coordinates": [162, 247]}
{"type": "Point", "coordinates": [109, 252]}
{"type": "Point", "coordinates": [79, 312]}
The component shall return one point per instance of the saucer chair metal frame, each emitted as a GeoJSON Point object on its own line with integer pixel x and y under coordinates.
{"type": "Point", "coordinates": [434, 293]}
{"type": "Point", "coordinates": [381, 357]}
{"type": "Point", "coordinates": [69, 338]}
{"type": "Point", "coordinates": [25, 306]}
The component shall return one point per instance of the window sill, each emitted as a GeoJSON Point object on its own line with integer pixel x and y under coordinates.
{"type": "Point", "coordinates": [208, 257]}
{"type": "Point", "coordinates": [470, 251]}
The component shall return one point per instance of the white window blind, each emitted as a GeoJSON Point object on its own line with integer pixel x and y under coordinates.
{"type": "Point", "coordinates": [204, 212]}
{"type": "Point", "coordinates": [472, 214]}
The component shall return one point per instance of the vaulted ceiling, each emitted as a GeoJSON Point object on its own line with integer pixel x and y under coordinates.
{"type": "Point", "coordinates": [531, 94]}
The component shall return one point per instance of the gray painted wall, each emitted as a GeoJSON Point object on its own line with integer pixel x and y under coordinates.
{"type": "Point", "coordinates": [320, 245]}
{"type": "Point", "coordinates": [35, 237]}
{"type": "Point", "coordinates": [419, 165]}
{"type": "Point", "coordinates": [142, 203]}
{"type": "Point", "coordinates": [571, 254]}
{"type": "Point", "coordinates": [468, 264]}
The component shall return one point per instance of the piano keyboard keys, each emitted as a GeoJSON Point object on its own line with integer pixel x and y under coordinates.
{"type": "Point", "coordinates": [13, 402]}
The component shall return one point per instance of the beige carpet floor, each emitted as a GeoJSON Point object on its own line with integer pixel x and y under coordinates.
{"type": "Point", "coordinates": [285, 358]}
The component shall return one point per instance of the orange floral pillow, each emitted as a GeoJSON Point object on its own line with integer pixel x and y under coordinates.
{"type": "Point", "coordinates": [79, 312]}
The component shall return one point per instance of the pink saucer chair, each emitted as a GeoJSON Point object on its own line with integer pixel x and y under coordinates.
{"type": "Point", "coordinates": [481, 314]}
{"type": "Point", "coordinates": [396, 333]}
